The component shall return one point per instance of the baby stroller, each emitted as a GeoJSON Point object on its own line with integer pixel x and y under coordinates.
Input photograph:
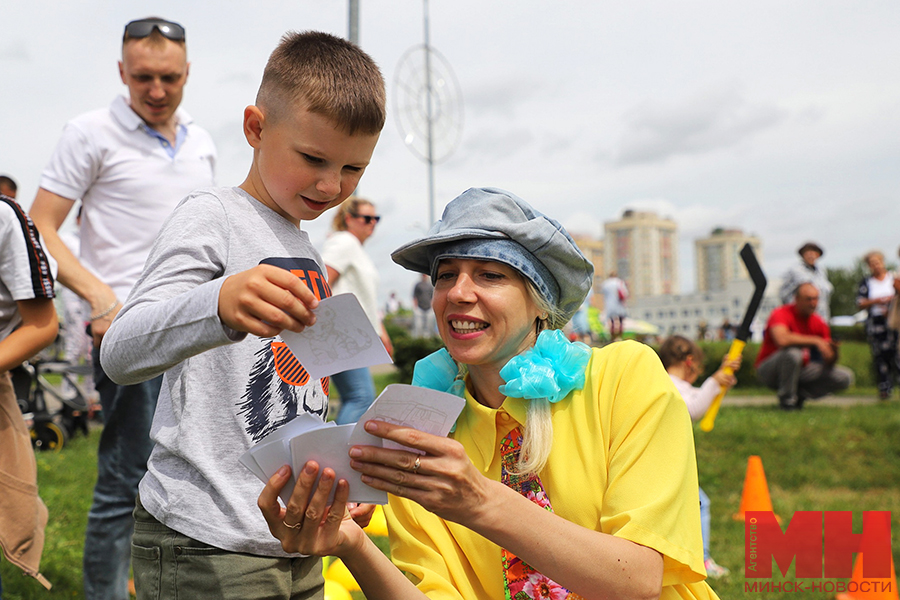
{"type": "Point", "coordinates": [53, 401]}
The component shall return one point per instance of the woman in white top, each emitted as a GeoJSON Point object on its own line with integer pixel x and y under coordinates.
{"type": "Point", "coordinates": [351, 270]}
{"type": "Point", "coordinates": [874, 294]}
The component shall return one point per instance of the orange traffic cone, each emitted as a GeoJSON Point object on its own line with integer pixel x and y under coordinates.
{"type": "Point", "coordinates": [870, 588]}
{"type": "Point", "coordinates": [756, 490]}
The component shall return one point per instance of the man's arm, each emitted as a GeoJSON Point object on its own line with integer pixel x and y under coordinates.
{"type": "Point", "coordinates": [784, 337]}
{"type": "Point", "coordinates": [48, 211]}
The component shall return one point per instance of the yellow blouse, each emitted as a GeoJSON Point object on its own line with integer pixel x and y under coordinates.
{"type": "Point", "coordinates": [622, 463]}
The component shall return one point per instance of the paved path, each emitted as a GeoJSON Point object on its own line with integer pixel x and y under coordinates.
{"type": "Point", "coordinates": [734, 400]}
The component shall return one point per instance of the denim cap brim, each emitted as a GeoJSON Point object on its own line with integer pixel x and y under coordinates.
{"type": "Point", "coordinates": [543, 251]}
{"type": "Point", "coordinates": [503, 251]}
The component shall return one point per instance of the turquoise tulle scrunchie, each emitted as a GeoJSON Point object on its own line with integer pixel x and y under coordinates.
{"type": "Point", "coordinates": [438, 371]}
{"type": "Point", "coordinates": [551, 369]}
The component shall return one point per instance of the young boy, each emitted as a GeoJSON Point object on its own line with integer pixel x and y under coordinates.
{"type": "Point", "coordinates": [683, 361]}
{"type": "Point", "coordinates": [230, 270]}
{"type": "Point", "coordinates": [27, 325]}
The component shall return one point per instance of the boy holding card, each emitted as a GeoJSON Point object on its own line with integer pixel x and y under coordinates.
{"type": "Point", "coordinates": [230, 270]}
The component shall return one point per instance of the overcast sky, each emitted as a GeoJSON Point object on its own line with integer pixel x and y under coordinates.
{"type": "Point", "coordinates": [779, 118]}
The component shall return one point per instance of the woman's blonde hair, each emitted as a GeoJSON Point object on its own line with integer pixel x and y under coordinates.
{"type": "Point", "coordinates": [350, 206]}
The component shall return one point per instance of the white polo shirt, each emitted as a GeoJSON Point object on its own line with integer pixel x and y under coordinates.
{"type": "Point", "coordinates": [128, 181]}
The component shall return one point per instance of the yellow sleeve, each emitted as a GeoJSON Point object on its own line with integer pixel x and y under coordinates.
{"type": "Point", "coordinates": [652, 497]}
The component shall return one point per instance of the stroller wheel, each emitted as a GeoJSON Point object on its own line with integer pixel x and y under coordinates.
{"type": "Point", "coordinates": [48, 436]}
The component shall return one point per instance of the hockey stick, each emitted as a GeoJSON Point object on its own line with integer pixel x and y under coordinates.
{"type": "Point", "coordinates": [743, 332]}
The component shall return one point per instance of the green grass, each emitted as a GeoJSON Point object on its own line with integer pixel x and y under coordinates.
{"type": "Point", "coordinates": [821, 458]}
{"type": "Point", "coordinates": [66, 480]}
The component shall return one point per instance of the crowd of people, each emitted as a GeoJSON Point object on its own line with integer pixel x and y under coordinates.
{"type": "Point", "coordinates": [185, 288]}
{"type": "Point", "coordinates": [798, 358]}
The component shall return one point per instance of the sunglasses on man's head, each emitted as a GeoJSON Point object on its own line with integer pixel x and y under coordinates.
{"type": "Point", "coordinates": [141, 28]}
{"type": "Point", "coordinates": [369, 219]}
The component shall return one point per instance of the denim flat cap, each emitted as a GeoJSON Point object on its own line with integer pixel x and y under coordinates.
{"type": "Point", "coordinates": [493, 224]}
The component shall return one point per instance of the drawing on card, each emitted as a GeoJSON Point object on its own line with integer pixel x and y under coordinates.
{"type": "Point", "coordinates": [330, 342]}
{"type": "Point", "coordinates": [342, 338]}
{"type": "Point", "coordinates": [402, 411]}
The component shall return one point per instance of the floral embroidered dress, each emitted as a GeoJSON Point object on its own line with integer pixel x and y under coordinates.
{"type": "Point", "coordinates": [622, 462]}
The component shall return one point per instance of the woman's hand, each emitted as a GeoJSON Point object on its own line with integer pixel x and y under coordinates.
{"type": "Point", "coordinates": [443, 479]}
{"type": "Point", "coordinates": [309, 525]}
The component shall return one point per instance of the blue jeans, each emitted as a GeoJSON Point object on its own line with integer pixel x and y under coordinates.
{"type": "Point", "coordinates": [704, 522]}
{"type": "Point", "coordinates": [357, 392]}
{"type": "Point", "coordinates": [121, 463]}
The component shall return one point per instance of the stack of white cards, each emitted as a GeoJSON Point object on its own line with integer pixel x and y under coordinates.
{"type": "Point", "coordinates": [342, 339]}
{"type": "Point", "coordinates": [307, 438]}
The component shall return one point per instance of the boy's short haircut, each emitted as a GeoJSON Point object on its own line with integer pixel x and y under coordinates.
{"type": "Point", "coordinates": [329, 76]}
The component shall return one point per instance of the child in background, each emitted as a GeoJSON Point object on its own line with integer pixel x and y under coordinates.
{"type": "Point", "coordinates": [28, 324]}
{"type": "Point", "coordinates": [230, 270]}
{"type": "Point", "coordinates": [683, 361]}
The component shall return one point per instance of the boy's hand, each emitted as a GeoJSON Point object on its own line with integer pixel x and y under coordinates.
{"type": "Point", "coordinates": [361, 513]}
{"type": "Point", "coordinates": [265, 300]}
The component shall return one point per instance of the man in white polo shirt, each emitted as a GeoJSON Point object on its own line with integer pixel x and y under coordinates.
{"type": "Point", "coordinates": [129, 164]}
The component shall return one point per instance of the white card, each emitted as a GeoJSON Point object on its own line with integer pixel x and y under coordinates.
{"type": "Point", "coordinates": [329, 448]}
{"type": "Point", "coordinates": [342, 339]}
{"type": "Point", "coordinates": [429, 411]}
{"type": "Point", "coordinates": [307, 438]}
{"type": "Point", "coordinates": [274, 450]}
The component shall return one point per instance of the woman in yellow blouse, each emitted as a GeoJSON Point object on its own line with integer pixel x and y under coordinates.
{"type": "Point", "coordinates": [570, 472]}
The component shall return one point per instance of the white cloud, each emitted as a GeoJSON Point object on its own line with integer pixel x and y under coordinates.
{"type": "Point", "coordinates": [499, 143]}
{"type": "Point", "coordinates": [779, 118]}
{"type": "Point", "coordinates": [15, 50]}
{"type": "Point", "coordinates": [706, 122]}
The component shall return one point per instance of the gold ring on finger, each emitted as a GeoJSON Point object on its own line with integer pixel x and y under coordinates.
{"type": "Point", "coordinates": [295, 526]}
{"type": "Point", "coordinates": [417, 464]}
